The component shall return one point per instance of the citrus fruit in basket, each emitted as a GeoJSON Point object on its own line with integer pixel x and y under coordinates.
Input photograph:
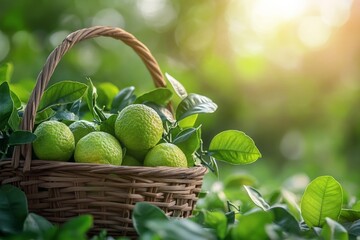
{"type": "Point", "coordinates": [54, 141]}
{"type": "Point", "coordinates": [165, 154]}
{"type": "Point", "coordinates": [98, 147]}
{"type": "Point", "coordinates": [130, 161]}
{"type": "Point", "coordinates": [138, 127]}
{"type": "Point", "coordinates": [81, 128]}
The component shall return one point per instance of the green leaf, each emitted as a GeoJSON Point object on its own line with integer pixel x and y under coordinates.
{"type": "Point", "coordinates": [176, 229]}
{"type": "Point", "coordinates": [285, 220]}
{"type": "Point", "coordinates": [144, 213]}
{"type": "Point", "coordinates": [13, 209]}
{"type": "Point", "coordinates": [75, 228]}
{"type": "Point", "coordinates": [256, 197]}
{"type": "Point", "coordinates": [214, 166]}
{"type": "Point", "coordinates": [216, 220]}
{"type": "Point", "coordinates": [122, 99]}
{"type": "Point", "coordinates": [21, 137]}
{"type": "Point", "coordinates": [252, 226]}
{"type": "Point", "coordinates": [91, 98]}
{"type": "Point", "coordinates": [62, 93]}
{"type": "Point", "coordinates": [36, 223]}
{"type": "Point", "coordinates": [106, 93]}
{"type": "Point", "coordinates": [234, 147]}
{"type": "Point", "coordinates": [322, 198]}
{"type": "Point", "coordinates": [44, 115]}
{"type": "Point", "coordinates": [65, 116]}
{"type": "Point", "coordinates": [194, 104]}
{"type": "Point", "coordinates": [23, 89]}
{"type": "Point", "coordinates": [354, 229]}
{"type": "Point", "coordinates": [177, 86]}
{"type": "Point", "coordinates": [188, 140]}
{"type": "Point", "coordinates": [109, 124]}
{"type": "Point", "coordinates": [14, 120]}
{"type": "Point", "coordinates": [188, 121]}
{"type": "Point", "coordinates": [16, 99]}
{"type": "Point", "coordinates": [333, 230]}
{"type": "Point", "coordinates": [349, 215]}
{"type": "Point", "coordinates": [6, 105]}
{"type": "Point", "coordinates": [291, 202]}
{"type": "Point", "coordinates": [6, 71]}
{"type": "Point", "coordinates": [159, 96]}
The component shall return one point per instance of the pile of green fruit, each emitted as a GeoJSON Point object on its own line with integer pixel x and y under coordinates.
{"type": "Point", "coordinates": [104, 125]}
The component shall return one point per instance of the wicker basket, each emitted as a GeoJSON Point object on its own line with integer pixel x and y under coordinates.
{"type": "Point", "coordinates": [61, 190]}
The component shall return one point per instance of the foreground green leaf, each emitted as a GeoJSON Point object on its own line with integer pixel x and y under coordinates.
{"type": "Point", "coordinates": [285, 220]}
{"type": "Point", "coordinates": [234, 147]}
{"type": "Point", "coordinates": [252, 226]}
{"type": "Point", "coordinates": [322, 198]}
{"type": "Point", "coordinates": [354, 229]}
{"type": "Point", "coordinates": [333, 230]}
{"type": "Point", "coordinates": [216, 220]}
{"type": "Point", "coordinates": [62, 93]}
{"type": "Point", "coordinates": [176, 229]}
{"type": "Point", "coordinates": [36, 223]}
{"type": "Point", "coordinates": [144, 213]}
{"type": "Point", "coordinates": [256, 197]}
{"type": "Point", "coordinates": [75, 228]}
{"type": "Point", "coordinates": [13, 209]}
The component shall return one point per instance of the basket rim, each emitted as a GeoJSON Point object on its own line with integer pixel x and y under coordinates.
{"type": "Point", "coordinates": [94, 168]}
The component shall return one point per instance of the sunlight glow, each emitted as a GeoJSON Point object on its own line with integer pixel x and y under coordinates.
{"type": "Point", "coordinates": [282, 31]}
{"type": "Point", "coordinates": [268, 15]}
{"type": "Point", "coordinates": [267, 19]}
{"type": "Point", "coordinates": [313, 32]}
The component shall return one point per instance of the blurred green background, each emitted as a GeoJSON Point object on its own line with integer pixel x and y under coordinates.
{"type": "Point", "coordinates": [284, 72]}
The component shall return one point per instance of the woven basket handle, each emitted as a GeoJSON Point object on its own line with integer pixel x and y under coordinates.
{"type": "Point", "coordinates": [53, 60]}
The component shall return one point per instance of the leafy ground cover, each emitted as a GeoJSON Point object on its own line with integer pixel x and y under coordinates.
{"type": "Point", "coordinates": [234, 212]}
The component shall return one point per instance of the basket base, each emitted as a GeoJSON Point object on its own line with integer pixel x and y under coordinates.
{"type": "Point", "coordinates": [59, 191]}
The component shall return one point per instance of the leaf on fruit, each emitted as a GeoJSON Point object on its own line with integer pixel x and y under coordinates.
{"type": "Point", "coordinates": [188, 140]}
{"type": "Point", "coordinates": [194, 104]}
{"type": "Point", "coordinates": [62, 93]}
{"type": "Point", "coordinates": [322, 198]}
{"type": "Point", "coordinates": [122, 99]}
{"type": "Point", "coordinates": [177, 86]}
{"type": "Point", "coordinates": [160, 96]}
{"type": "Point", "coordinates": [6, 104]}
{"type": "Point", "coordinates": [234, 147]}
{"type": "Point", "coordinates": [21, 137]}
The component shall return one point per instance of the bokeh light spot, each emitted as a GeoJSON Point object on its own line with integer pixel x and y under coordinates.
{"type": "Point", "coordinates": [4, 46]}
{"type": "Point", "coordinates": [313, 32]}
{"type": "Point", "coordinates": [109, 17]}
{"type": "Point", "coordinates": [292, 145]}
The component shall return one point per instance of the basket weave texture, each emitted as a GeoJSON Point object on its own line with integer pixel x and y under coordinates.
{"type": "Point", "coordinates": [61, 190]}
